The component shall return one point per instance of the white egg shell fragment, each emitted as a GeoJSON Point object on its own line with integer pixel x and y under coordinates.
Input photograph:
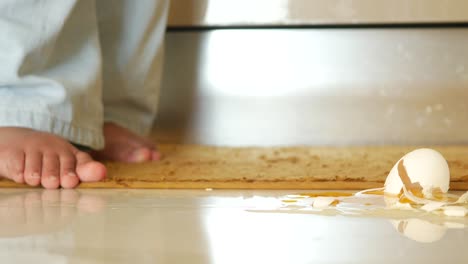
{"type": "Point", "coordinates": [463, 198]}
{"type": "Point", "coordinates": [394, 203]}
{"type": "Point", "coordinates": [458, 211]}
{"type": "Point", "coordinates": [323, 202]}
{"type": "Point", "coordinates": [424, 166]}
{"type": "Point", "coordinates": [432, 206]}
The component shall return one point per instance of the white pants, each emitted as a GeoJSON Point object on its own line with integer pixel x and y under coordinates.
{"type": "Point", "coordinates": [68, 66]}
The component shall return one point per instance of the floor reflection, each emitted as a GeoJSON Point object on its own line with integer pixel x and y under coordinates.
{"type": "Point", "coordinates": [186, 226]}
{"type": "Point", "coordinates": [40, 211]}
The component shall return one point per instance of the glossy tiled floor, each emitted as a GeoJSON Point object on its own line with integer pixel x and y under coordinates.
{"type": "Point", "coordinates": [177, 226]}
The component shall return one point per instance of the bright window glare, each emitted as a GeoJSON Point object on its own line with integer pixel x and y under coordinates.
{"type": "Point", "coordinates": [246, 63]}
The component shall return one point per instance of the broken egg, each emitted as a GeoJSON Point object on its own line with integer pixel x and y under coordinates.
{"type": "Point", "coordinates": [420, 177]}
{"type": "Point", "coordinates": [425, 168]}
{"type": "Point", "coordinates": [417, 183]}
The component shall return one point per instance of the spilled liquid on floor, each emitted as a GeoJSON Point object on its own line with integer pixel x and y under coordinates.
{"type": "Point", "coordinates": [407, 216]}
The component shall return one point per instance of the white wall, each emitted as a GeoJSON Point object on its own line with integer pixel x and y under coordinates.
{"type": "Point", "coordinates": [290, 12]}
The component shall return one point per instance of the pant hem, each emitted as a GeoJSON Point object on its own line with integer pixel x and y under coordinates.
{"type": "Point", "coordinates": [136, 127]}
{"type": "Point", "coordinates": [78, 134]}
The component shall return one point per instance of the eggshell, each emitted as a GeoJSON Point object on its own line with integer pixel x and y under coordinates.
{"type": "Point", "coordinates": [432, 206]}
{"type": "Point", "coordinates": [463, 198]}
{"type": "Point", "coordinates": [457, 211]}
{"type": "Point", "coordinates": [323, 202]}
{"type": "Point", "coordinates": [424, 166]}
{"type": "Point", "coordinates": [392, 202]}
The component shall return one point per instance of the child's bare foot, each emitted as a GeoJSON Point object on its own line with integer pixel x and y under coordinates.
{"type": "Point", "coordinates": [124, 146]}
{"type": "Point", "coordinates": [38, 158]}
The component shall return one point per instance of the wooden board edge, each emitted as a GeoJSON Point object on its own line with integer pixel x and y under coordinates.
{"type": "Point", "coordinates": [279, 185]}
